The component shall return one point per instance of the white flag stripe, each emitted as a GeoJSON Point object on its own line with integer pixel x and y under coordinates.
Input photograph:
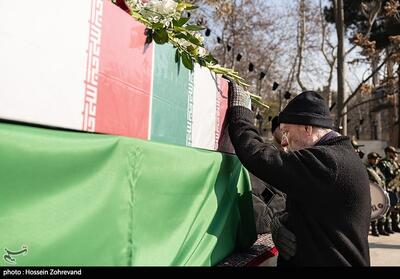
{"type": "Point", "coordinates": [204, 109]}
{"type": "Point", "coordinates": [43, 61]}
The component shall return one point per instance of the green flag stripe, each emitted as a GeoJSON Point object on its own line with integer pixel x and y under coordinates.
{"type": "Point", "coordinates": [169, 98]}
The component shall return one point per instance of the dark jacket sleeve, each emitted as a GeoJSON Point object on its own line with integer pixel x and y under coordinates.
{"type": "Point", "coordinates": [262, 215]}
{"type": "Point", "coordinates": [290, 172]}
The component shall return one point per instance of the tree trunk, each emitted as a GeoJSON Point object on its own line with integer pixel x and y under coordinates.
{"type": "Point", "coordinates": [339, 18]}
{"type": "Point", "coordinates": [376, 125]}
{"type": "Point", "coordinates": [398, 104]}
{"type": "Point", "coordinates": [392, 111]}
{"type": "Point", "coordinates": [301, 32]}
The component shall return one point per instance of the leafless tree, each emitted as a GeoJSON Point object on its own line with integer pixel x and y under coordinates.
{"type": "Point", "coordinates": [247, 36]}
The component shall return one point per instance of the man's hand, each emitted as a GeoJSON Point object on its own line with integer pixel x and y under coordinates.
{"type": "Point", "coordinates": [237, 96]}
{"type": "Point", "coordinates": [284, 240]}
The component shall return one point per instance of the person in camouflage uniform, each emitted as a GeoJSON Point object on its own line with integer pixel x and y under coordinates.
{"type": "Point", "coordinates": [390, 169]}
{"type": "Point", "coordinates": [376, 176]}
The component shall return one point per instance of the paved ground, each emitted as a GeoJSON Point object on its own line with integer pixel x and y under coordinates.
{"type": "Point", "coordinates": [385, 250]}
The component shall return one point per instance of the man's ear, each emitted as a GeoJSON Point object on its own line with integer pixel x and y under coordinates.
{"type": "Point", "coordinates": [308, 129]}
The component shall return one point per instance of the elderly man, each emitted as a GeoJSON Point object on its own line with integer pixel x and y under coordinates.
{"type": "Point", "coordinates": [327, 187]}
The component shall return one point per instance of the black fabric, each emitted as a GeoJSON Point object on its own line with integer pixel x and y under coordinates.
{"type": "Point", "coordinates": [372, 155]}
{"type": "Point", "coordinates": [274, 124]}
{"type": "Point", "coordinates": [284, 240]}
{"type": "Point", "coordinates": [327, 187]}
{"type": "Point", "coordinates": [391, 149]}
{"type": "Point", "coordinates": [307, 108]}
{"type": "Point", "coordinates": [267, 201]}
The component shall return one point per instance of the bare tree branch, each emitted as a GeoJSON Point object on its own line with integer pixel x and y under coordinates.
{"type": "Point", "coordinates": [371, 11]}
{"type": "Point", "coordinates": [362, 103]}
{"type": "Point", "coordinates": [366, 79]}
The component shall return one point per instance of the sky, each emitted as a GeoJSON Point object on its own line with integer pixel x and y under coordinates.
{"type": "Point", "coordinates": [354, 73]}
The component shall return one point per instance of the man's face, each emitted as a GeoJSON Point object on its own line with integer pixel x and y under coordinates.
{"type": "Point", "coordinates": [295, 137]}
{"type": "Point", "coordinates": [373, 161]}
{"type": "Point", "coordinates": [392, 155]}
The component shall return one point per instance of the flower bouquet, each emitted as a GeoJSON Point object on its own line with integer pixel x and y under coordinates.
{"type": "Point", "coordinates": [166, 23]}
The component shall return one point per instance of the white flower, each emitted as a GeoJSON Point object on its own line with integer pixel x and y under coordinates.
{"type": "Point", "coordinates": [169, 6]}
{"type": "Point", "coordinates": [166, 22]}
{"type": "Point", "coordinates": [184, 43]}
{"type": "Point", "coordinates": [154, 19]}
{"type": "Point", "coordinates": [163, 7]}
{"type": "Point", "coordinates": [135, 4]}
{"type": "Point", "coordinates": [202, 52]}
{"type": "Point", "coordinates": [132, 2]}
{"type": "Point", "coordinates": [199, 37]}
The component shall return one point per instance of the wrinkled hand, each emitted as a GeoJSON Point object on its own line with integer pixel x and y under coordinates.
{"type": "Point", "coordinates": [284, 240]}
{"type": "Point", "coordinates": [237, 95]}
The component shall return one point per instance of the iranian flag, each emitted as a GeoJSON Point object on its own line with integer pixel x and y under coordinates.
{"type": "Point", "coordinates": [90, 70]}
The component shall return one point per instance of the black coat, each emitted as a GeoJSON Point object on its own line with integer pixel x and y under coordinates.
{"type": "Point", "coordinates": [266, 202]}
{"type": "Point", "coordinates": [327, 187]}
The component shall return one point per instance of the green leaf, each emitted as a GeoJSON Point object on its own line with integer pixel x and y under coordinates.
{"type": "Point", "coordinates": [177, 56]}
{"type": "Point", "coordinates": [185, 6]}
{"type": "Point", "coordinates": [202, 62]}
{"type": "Point", "coordinates": [191, 7]}
{"type": "Point", "coordinates": [187, 61]}
{"type": "Point", "coordinates": [194, 40]}
{"type": "Point", "coordinates": [157, 25]}
{"type": "Point", "coordinates": [160, 36]}
{"type": "Point", "coordinates": [180, 22]}
{"type": "Point", "coordinates": [136, 14]}
{"type": "Point", "coordinates": [181, 36]}
{"type": "Point", "coordinates": [194, 27]}
{"type": "Point", "coordinates": [192, 50]}
{"type": "Point", "coordinates": [210, 59]}
{"type": "Point", "coordinates": [257, 102]}
{"type": "Point", "coordinates": [178, 59]}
